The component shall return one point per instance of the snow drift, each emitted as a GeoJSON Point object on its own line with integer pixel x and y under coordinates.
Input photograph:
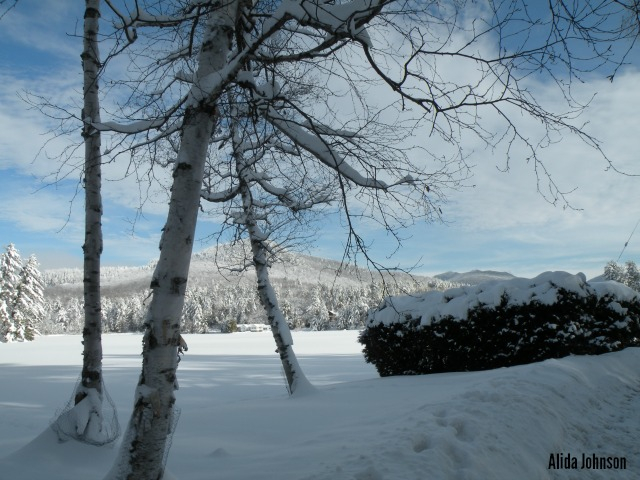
{"type": "Point", "coordinates": [239, 423]}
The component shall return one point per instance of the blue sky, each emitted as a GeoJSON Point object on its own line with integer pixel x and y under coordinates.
{"type": "Point", "coordinates": [499, 221]}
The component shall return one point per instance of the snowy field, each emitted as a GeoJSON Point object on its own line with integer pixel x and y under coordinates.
{"type": "Point", "coordinates": [238, 423]}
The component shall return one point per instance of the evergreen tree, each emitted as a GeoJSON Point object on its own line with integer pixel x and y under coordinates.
{"type": "Point", "coordinates": [613, 271]}
{"type": "Point", "coordinates": [632, 275]}
{"type": "Point", "coordinates": [289, 313]}
{"type": "Point", "coordinates": [10, 271]}
{"type": "Point", "coordinates": [628, 274]}
{"type": "Point", "coordinates": [193, 320]}
{"type": "Point", "coordinates": [59, 316]}
{"type": "Point", "coordinates": [10, 274]}
{"type": "Point", "coordinates": [7, 328]}
{"type": "Point", "coordinates": [318, 312]}
{"type": "Point", "coordinates": [28, 303]}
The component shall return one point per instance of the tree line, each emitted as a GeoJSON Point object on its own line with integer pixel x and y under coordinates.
{"type": "Point", "coordinates": [221, 307]}
{"type": "Point", "coordinates": [28, 308]}
{"type": "Point", "coordinates": [218, 307]}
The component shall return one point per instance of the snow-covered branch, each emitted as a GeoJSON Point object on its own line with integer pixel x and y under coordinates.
{"type": "Point", "coordinates": [219, 197]}
{"type": "Point", "coordinates": [130, 128]}
{"type": "Point", "coordinates": [316, 146]}
{"type": "Point", "coordinates": [338, 20]}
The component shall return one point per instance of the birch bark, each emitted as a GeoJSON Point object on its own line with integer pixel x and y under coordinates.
{"type": "Point", "coordinates": [88, 426]}
{"type": "Point", "coordinates": [296, 380]}
{"type": "Point", "coordinates": [145, 443]}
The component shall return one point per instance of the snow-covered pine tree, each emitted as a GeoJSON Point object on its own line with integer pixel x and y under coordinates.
{"type": "Point", "coordinates": [628, 274]}
{"type": "Point", "coordinates": [7, 328]}
{"type": "Point", "coordinates": [632, 275]}
{"type": "Point", "coordinates": [193, 320]}
{"type": "Point", "coordinates": [289, 312]}
{"type": "Point", "coordinates": [10, 272]}
{"type": "Point", "coordinates": [613, 271]}
{"type": "Point", "coordinates": [318, 313]}
{"type": "Point", "coordinates": [28, 304]}
{"type": "Point", "coordinates": [60, 317]}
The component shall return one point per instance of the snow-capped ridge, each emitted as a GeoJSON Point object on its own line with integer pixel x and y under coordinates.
{"type": "Point", "coordinates": [230, 262]}
{"type": "Point", "coordinates": [474, 277]}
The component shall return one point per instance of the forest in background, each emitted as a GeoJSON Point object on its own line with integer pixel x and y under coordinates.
{"type": "Point", "coordinates": [315, 293]}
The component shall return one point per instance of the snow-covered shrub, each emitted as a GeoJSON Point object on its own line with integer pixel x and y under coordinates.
{"type": "Point", "coordinates": [501, 324]}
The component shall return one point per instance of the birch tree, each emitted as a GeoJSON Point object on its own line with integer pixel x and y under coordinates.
{"type": "Point", "coordinates": [92, 248]}
{"type": "Point", "coordinates": [90, 388]}
{"type": "Point", "coordinates": [85, 418]}
{"type": "Point", "coordinates": [143, 447]}
{"type": "Point", "coordinates": [294, 375]}
{"type": "Point", "coordinates": [260, 217]}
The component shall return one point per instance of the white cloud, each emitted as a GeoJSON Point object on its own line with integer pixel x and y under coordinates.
{"type": "Point", "coordinates": [40, 211]}
{"type": "Point", "coordinates": [510, 200]}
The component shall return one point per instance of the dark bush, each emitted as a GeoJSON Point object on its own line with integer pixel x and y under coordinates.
{"type": "Point", "coordinates": [503, 335]}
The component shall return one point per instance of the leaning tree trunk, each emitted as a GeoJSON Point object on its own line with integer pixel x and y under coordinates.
{"type": "Point", "coordinates": [296, 379]}
{"type": "Point", "coordinates": [145, 442]}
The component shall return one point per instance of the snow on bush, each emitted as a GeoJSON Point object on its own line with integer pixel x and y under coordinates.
{"type": "Point", "coordinates": [498, 324]}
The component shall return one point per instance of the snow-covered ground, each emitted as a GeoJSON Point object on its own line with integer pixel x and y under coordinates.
{"type": "Point", "coordinates": [238, 423]}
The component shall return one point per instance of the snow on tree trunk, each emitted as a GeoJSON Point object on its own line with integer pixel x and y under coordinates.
{"type": "Point", "coordinates": [296, 380]}
{"type": "Point", "coordinates": [145, 443]}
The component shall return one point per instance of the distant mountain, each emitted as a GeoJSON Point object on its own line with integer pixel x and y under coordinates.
{"type": "Point", "coordinates": [474, 277]}
{"type": "Point", "coordinates": [316, 292]}
{"type": "Point", "coordinates": [224, 264]}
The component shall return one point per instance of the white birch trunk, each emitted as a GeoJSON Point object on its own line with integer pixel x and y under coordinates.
{"type": "Point", "coordinates": [296, 380]}
{"type": "Point", "coordinates": [145, 442]}
{"type": "Point", "coordinates": [87, 424]}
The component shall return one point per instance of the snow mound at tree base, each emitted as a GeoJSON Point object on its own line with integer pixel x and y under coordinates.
{"type": "Point", "coordinates": [94, 420]}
